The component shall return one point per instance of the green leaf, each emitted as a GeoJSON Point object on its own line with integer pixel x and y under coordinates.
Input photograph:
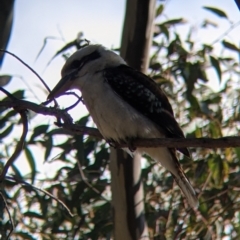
{"type": "Point", "coordinates": [174, 21]}
{"type": "Point", "coordinates": [217, 11]}
{"type": "Point", "coordinates": [173, 46]}
{"type": "Point", "coordinates": [202, 75]}
{"type": "Point", "coordinates": [31, 162]}
{"type": "Point", "coordinates": [159, 10]}
{"type": "Point", "coordinates": [230, 46]}
{"type": "Point", "coordinates": [155, 66]}
{"type": "Point", "coordinates": [48, 145]}
{"type": "Point", "coordinates": [216, 167]}
{"type": "Point", "coordinates": [213, 98]}
{"type": "Point", "coordinates": [216, 65]}
{"type": "Point", "coordinates": [195, 108]}
{"type": "Point", "coordinates": [6, 118]}
{"type": "Point", "coordinates": [207, 48]}
{"type": "Point", "coordinates": [215, 130]}
{"type": "Point", "coordinates": [16, 172]}
{"type": "Point", "coordinates": [83, 121]}
{"type": "Point", "coordinates": [4, 80]}
{"type": "Point", "coordinates": [24, 235]}
{"type": "Point", "coordinates": [207, 23]}
{"type": "Point", "coordinates": [39, 130]}
{"type": "Point", "coordinates": [18, 94]}
{"type": "Point", "coordinates": [237, 151]}
{"type": "Point", "coordinates": [226, 59]}
{"type": "Point", "coordinates": [33, 215]}
{"type": "Point", "coordinates": [6, 132]}
{"type": "Point", "coordinates": [164, 30]}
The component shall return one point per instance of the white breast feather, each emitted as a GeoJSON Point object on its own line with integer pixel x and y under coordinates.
{"type": "Point", "coordinates": [115, 118]}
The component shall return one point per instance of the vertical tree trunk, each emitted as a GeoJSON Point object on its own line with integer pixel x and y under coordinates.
{"type": "Point", "coordinates": [238, 3]}
{"type": "Point", "coordinates": [6, 19]}
{"type": "Point", "coordinates": [127, 189]}
{"type": "Point", "coordinates": [137, 33]}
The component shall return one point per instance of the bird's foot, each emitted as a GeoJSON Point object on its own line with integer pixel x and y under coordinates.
{"type": "Point", "coordinates": [112, 143]}
{"type": "Point", "coordinates": [130, 144]}
{"type": "Point", "coordinates": [122, 143]}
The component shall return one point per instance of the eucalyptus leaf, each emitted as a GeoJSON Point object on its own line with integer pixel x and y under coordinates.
{"type": "Point", "coordinates": [215, 63]}
{"type": "Point", "coordinates": [216, 11]}
{"type": "Point", "coordinates": [5, 79]}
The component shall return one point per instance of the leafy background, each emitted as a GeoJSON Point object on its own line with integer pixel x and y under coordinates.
{"type": "Point", "coordinates": [183, 67]}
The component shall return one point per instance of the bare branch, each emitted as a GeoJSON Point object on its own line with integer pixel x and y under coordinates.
{"type": "Point", "coordinates": [8, 94]}
{"type": "Point", "coordinates": [22, 104]}
{"type": "Point", "coordinates": [31, 69]}
{"type": "Point", "coordinates": [71, 128]}
{"type": "Point", "coordinates": [79, 99]}
{"type": "Point", "coordinates": [224, 142]}
{"type": "Point", "coordinates": [85, 180]}
{"type": "Point", "coordinates": [19, 146]}
{"type": "Point", "coordinates": [234, 25]}
{"type": "Point", "coordinates": [26, 65]}
{"type": "Point", "coordinates": [43, 191]}
{"type": "Point", "coordinates": [80, 130]}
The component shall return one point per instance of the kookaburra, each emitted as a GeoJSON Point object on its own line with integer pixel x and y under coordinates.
{"type": "Point", "coordinates": [125, 104]}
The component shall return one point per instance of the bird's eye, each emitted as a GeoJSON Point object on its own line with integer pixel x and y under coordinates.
{"type": "Point", "coordinates": [75, 64]}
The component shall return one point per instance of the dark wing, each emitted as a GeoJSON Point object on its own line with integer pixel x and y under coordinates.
{"type": "Point", "coordinates": [143, 94]}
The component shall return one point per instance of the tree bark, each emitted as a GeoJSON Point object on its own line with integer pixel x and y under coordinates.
{"type": "Point", "coordinates": [238, 3]}
{"type": "Point", "coordinates": [6, 19]}
{"type": "Point", "coordinates": [127, 189]}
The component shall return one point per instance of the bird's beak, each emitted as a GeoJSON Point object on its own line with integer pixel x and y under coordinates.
{"type": "Point", "coordinates": [63, 86]}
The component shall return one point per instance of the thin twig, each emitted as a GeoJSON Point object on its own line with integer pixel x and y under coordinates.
{"type": "Point", "coordinates": [80, 99]}
{"type": "Point", "coordinates": [204, 221]}
{"type": "Point", "coordinates": [226, 32]}
{"type": "Point", "coordinates": [19, 146]}
{"type": "Point", "coordinates": [8, 94]}
{"type": "Point", "coordinates": [43, 191]}
{"type": "Point", "coordinates": [205, 185]}
{"type": "Point", "coordinates": [26, 65]}
{"type": "Point", "coordinates": [31, 69]}
{"type": "Point", "coordinates": [85, 180]}
{"type": "Point", "coordinates": [79, 225]}
{"type": "Point", "coordinates": [9, 215]}
{"type": "Point", "coordinates": [56, 199]}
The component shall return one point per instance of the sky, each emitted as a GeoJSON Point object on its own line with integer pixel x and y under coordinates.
{"type": "Point", "coordinates": [100, 21]}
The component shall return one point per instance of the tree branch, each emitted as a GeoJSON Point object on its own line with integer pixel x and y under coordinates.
{"type": "Point", "coordinates": [224, 142]}
{"type": "Point", "coordinates": [71, 128]}
{"type": "Point", "coordinates": [19, 146]}
{"type": "Point", "coordinates": [43, 191]}
{"type": "Point", "coordinates": [47, 111]}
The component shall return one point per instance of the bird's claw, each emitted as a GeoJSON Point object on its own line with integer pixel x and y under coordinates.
{"type": "Point", "coordinates": [113, 143]}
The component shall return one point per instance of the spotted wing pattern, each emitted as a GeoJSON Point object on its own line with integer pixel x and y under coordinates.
{"type": "Point", "coordinates": [144, 95]}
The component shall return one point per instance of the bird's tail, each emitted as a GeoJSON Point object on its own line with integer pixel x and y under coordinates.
{"type": "Point", "coordinates": [186, 188]}
{"type": "Point", "coordinates": [168, 159]}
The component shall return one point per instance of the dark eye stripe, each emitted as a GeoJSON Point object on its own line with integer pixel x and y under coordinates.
{"type": "Point", "coordinates": [75, 64]}
{"type": "Point", "coordinates": [80, 63]}
{"type": "Point", "coordinates": [93, 56]}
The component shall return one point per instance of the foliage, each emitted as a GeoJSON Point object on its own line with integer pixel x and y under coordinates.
{"type": "Point", "coordinates": [181, 68]}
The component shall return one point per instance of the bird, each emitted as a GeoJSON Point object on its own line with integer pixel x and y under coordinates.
{"type": "Point", "coordinates": [125, 104]}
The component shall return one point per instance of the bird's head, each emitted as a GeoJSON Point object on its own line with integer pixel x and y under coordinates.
{"type": "Point", "coordinates": [84, 62]}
